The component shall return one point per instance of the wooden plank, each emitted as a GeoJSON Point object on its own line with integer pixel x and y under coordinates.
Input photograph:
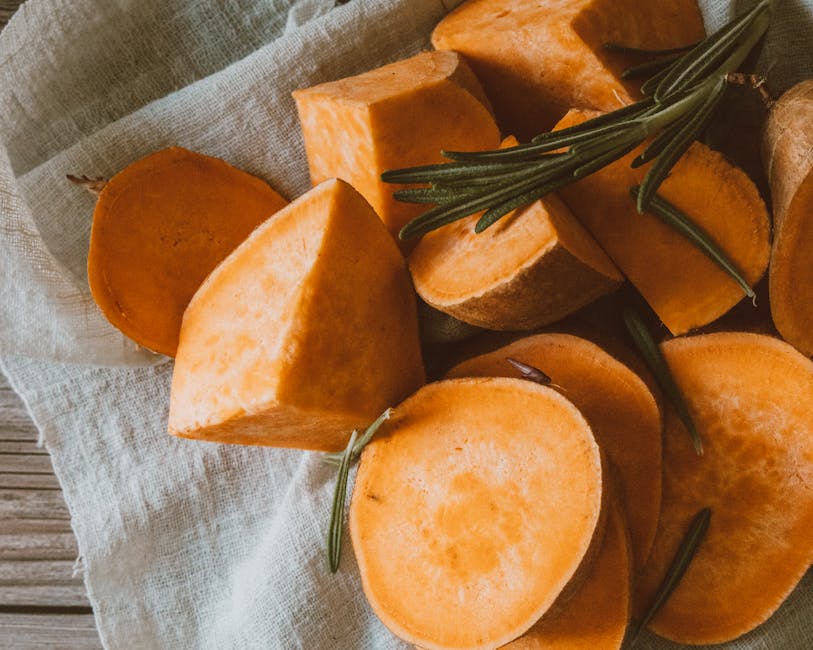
{"type": "Point", "coordinates": [44, 595]}
{"type": "Point", "coordinates": [32, 504]}
{"type": "Point", "coordinates": [37, 573]}
{"type": "Point", "coordinates": [25, 464]}
{"type": "Point", "coordinates": [33, 631]}
{"type": "Point", "coordinates": [22, 447]}
{"type": "Point", "coordinates": [16, 481]}
{"type": "Point", "coordinates": [51, 540]}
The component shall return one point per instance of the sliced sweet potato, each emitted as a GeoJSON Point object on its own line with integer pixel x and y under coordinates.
{"type": "Point", "coordinates": [472, 510]}
{"type": "Point", "coordinates": [306, 331]}
{"type": "Point", "coordinates": [682, 285]}
{"type": "Point", "coordinates": [536, 60]}
{"type": "Point", "coordinates": [160, 226]}
{"type": "Point", "coordinates": [621, 410]}
{"type": "Point", "coordinates": [749, 396]}
{"type": "Point", "coordinates": [399, 115]}
{"type": "Point", "coordinates": [788, 159]}
{"type": "Point", "coordinates": [596, 617]}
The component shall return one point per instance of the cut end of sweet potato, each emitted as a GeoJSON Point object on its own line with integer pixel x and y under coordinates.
{"type": "Point", "coordinates": [533, 267]}
{"type": "Point", "coordinates": [622, 413]}
{"type": "Point", "coordinates": [306, 331]}
{"type": "Point", "coordinates": [749, 396]}
{"type": "Point", "coordinates": [683, 286]}
{"type": "Point", "coordinates": [159, 228]}
{"type": "Point", "coordinates": [400, 115]}
{"type": "Point", "coordinates": [475, 504]}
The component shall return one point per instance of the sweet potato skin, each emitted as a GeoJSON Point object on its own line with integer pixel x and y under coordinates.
{"type": "Point", "coordinates": [306, 331]}
{"type": "Point", "coordinates": [683, 286]}
{"type": "Point", "coordinates": [538, 59]}
{"type": "Point", "coordinates": [749, 396]}
{"type": "Point", "coordinates": [451, 496]}
{"type": "Point", "coordinates": [159, 228]}
{"type": "Point", "coordinates": [622, 412]}
{"type": "Point", "coordinates": [788, 159]}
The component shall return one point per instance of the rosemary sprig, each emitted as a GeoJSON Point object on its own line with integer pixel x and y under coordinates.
{"type": "Point", "coordinates": [657, 364]}
{"type": "Point", "coordinates": [672, 216]}
{"type": "Point", "coordinates": [681, 100]}
{"type": "Point", "coordinates": [345, 459]}
{"type": "Point", "coordinates": [685, 554]}
{"type": "Point", "coordinates": [531, 373]}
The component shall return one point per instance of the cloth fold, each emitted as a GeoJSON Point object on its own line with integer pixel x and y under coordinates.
{"type": "Point", "coordinates": [187, 544]}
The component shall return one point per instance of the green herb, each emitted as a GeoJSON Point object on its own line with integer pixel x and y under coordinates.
{"type": "Point", "coordinates": [657, 364]}
{"type": "Point", "coordinates": [345, 459]}
{"type": "Point", "coordinates": [673, 217]}
{"type": "Point", "coordinates": [686, 552]}
{"type": "Point", "coordinates": [529, 372]}
{"type": "Point", "coordinates": [681, 100]}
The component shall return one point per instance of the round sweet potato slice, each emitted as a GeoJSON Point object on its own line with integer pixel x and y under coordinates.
{"type": "Point", "coordinates": [476, 503]}
{"type": "Point", "coordinates": [750, 397]}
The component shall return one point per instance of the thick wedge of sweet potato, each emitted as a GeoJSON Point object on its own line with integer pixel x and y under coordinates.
{"type": "Point", "coordinates": [682, 285]}
{"type": "Point", "coordinates": [399, 115]}
{"type": "Point", "coordinates": [596, 617]}
{"type": "Point", "coordinates": [750, 397]}
{"type": "Point", "coordinates": [160, 226]}
{"type": "Point", "coordinates": [788, 158]}
{"type": "Point", "coordinates": [306, 331]}
{"type": "Point", "coordinates": [533, 267]}
{"type": "Point", "coordinates": [472, 510]}
{"type": "Point", "coordinates": [536, 60]}
{"type": "Point", "coordinates": [621, 410]}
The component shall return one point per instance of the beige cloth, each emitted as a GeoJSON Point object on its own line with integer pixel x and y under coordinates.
{"type": "Point", "coordinates": [192, 545]}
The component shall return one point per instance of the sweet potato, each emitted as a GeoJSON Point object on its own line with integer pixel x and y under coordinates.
{"type": "Point", "coordinates": [596, 617]}
{"type": "Point", "coordinates": [788, 159]}
{"type": "Point", "coordinates": [749, 396]}
{"type": "Point", "coordinates": [399, 115]}
{"type": "Point", "coordinates": [536, 60]}
{"type": "Point", "coordinates": [160, 226]}
{"type": "Point", "coordinates": [306, 331]}
{"type": "Point", "coordinates": [682, 285]}
{"type": "Point", "coordinates": [472, 510]}
{"type": "Point", "coordinates": [533, 267]}
{"type": "Point", "coordinates": [621, 410]}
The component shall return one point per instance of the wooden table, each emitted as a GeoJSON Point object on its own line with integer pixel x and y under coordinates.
{"type": "Point", "coordinates": [42, 604]}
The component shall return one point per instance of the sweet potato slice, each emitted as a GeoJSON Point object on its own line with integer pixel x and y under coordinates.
{"type": "Point", "coordinates": [749, 396]}
{"type": "Point", "coordinates": [533, 267]}
{"type": "Point", "coordinates": [399, 115]}
{"type": "Point", "coordinates": [306, 331]}
{"type": "Point", "coordinates": [160, 226]}
{"type": "Point", "coordinates": [681, 284]}
{"type": "Point", "coordinates": [621, 410]}
{"type": "Point", "coordinates": [538, 59]}
{"type": "Point", "coordinates": [475, 504]}
{"type": "Point", "coordinates": [788, 159]}
{"type": "Point", "coordinates": [596, 617]}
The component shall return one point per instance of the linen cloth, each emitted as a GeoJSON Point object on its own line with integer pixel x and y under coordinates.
{"type": "Point", "coordinates": [187, 544]}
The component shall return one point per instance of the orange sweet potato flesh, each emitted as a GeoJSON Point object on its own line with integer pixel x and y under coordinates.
{"type": "Point", "coordinates": [160, 226]}
{"type": "Point", "coordinates": [681, 284]}
{"type": "Point", "coordinates": [306, 331]}
{"type": "Point", "coordinates": [399, 115]}
{"type": "Point", "coordinates": [533, 267]}
{"type": "Point", "coordinates": [536, 60]}
{"type": "Point", "coordinates": [749, 396]}
{"type": "Point", "coordinates": [788, 158]}
{"type": "Point", "coordinates": [622, 412]}
{"type": "Point", "coordinates": [476, 504]}
{"type": "Point", "coordinates": [596, 617]}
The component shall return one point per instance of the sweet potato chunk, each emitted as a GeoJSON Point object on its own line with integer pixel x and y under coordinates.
{"type": "Point", "coordinates": [160, 226]}
{"type": "Point", "coordinates": [621, 410]}
{"type": "Point", "coordinates": [788, 158]}
{"type": "Point", "coordinates": [304, 332]}
{"type": "Point", "coordinates": [596, 617]}
{"type": "Point", "coordinates": [681, 284]}
{"type": "Point", "coordinates": [533, 267]}
{"type": "Point", "coordinates": [472, 509]}
{"type": "Point", "coordinates": [399, 115]}
{"type": "Point", "coordinates": [536, 60]}
{"type": "Point", "coordinates": [749, 396]}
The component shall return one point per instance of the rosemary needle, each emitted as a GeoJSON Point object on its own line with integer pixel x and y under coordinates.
{"type": "Point", "coordinates": [657, 364]}
{"type": "Point", "coordinates": [532, 373]}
